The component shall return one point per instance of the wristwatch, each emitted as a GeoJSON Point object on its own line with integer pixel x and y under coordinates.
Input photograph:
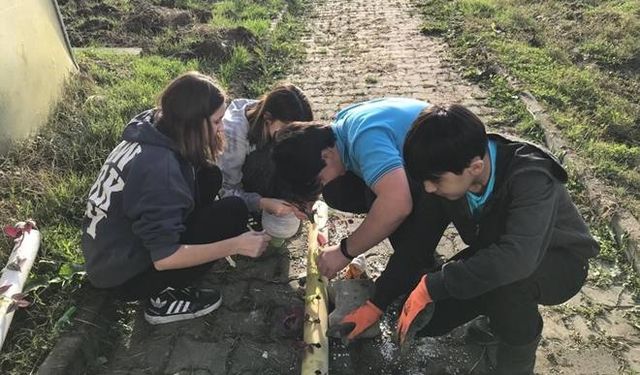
{"type": "Point", "coordinates": [343, 249]}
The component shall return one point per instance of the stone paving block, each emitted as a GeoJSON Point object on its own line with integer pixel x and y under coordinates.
{"type": "Point", "coordinates": [251, 323]}
{"type": "Point", "coordinates": [234, 294]}
{"type": "Point", "coordinates": [592, 361]}
{"type": "Point", "coordinates": [616, 324]}
{"type": "Point", "coordinates": [286, 322]}
{"type": "Point", "coordinates": [200, 328]}
{"type": "Point", "coordinates": [581, 327]}
{"type": "Point", "coordinates": [251, 357]}
{"type": "Point", "coordinates": [190, 356]}
{"type": "Point", "coordinates": [606, 296]}
{"type": "Point", "coordinates": [263, 294]}
{"type": "Point", "coordinates": [149, 358]}
{"type": "Point", "coordinates": [554, 327]}
{"type": "Point", "coordinates": [633, 358]}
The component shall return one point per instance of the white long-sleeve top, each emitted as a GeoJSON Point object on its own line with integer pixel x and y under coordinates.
{"type": "Point", "coordinates": [236, 129]}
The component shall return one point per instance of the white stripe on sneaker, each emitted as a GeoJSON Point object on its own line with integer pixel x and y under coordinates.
{"type": "Point", "coordinates": [179, 309]}
{"type": "Point", "coordinates": [186, 306]}
{"type": "Point", "coordinates": [171, 307]}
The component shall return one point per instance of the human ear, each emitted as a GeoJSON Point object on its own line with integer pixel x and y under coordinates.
{"type": "Point", "coordinates": [325, 154]}
{"type": "Point", "coordinates": [476, 167]}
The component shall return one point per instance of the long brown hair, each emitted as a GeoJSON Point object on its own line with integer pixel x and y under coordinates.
{"type": "Point", "coordinates": [286, 103]}
{"type": "Point", "coordinates": [185, 106]}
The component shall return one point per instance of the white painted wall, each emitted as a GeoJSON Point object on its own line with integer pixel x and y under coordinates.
{"type": "Point", "coordinates": [34, 63]}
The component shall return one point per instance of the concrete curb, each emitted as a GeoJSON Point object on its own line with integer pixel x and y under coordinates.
{"type": "Point", "coordinates": [80, 345]}
{"type": "Point", "coordinates": [625, 226]}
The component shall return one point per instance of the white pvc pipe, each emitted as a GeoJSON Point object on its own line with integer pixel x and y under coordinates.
{"type": "Point", "coordinates": [15, 273]}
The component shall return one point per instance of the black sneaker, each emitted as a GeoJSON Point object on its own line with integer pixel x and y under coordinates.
{"type": "Point", "coordinates": [172, 305]}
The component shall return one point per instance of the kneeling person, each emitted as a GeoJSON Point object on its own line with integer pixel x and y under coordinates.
{"type": "Point", "coordinates": [528, 244]}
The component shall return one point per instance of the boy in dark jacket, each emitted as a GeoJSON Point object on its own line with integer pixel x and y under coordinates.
{"type": "Point", "coordinates": [528, 244]}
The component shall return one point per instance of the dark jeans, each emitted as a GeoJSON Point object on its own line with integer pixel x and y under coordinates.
{"type": "Point", "coordinates": [211, 221]}
{"type": "Point", "coordinates": [350, 193]}
{"type": "Point", "coordinates": [513, 308]}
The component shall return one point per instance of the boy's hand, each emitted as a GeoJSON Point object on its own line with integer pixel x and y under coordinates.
{"type": "Point", "coordinates": [331, 261]}
{"type": "Point", "coordinates": [416, 312]}
{"type": "Point", "coordinates": [358, 320]}
{"type": "Point", "coordinates": [252, 243]}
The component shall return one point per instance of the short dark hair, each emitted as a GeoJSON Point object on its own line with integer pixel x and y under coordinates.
{"type": "Point", "coordinates": [286, 103]}
{"type": "Point", "coordinates": [443, 139]}
{"type": "Point", "coordinates": [297, 153]}
{"type": "Point", "coordinates": [185, 106]}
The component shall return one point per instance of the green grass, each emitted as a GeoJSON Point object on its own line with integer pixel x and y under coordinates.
{"type": "Point", "coordinates": [580, 58]}
{"type": "Point", "coordinates": [48, 176]}
{"type": "Point", "coordinates": [239, 61]}
{"type": "Point", "coordinates": [611, 266]}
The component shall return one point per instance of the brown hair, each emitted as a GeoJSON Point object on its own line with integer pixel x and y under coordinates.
{"type": "Point", "coordinates": [185, 106]}
{"type": "Point", "coordinates": [286, 103]}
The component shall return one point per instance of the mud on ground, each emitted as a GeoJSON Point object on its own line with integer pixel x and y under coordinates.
{"type": "Point", "coordinates": [156, 26]}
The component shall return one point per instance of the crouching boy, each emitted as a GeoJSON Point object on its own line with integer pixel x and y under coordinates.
{"type": "Point", "coordinates": [528, 244]}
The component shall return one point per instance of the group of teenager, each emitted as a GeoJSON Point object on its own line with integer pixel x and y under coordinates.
{"type": "Point", "coordinates": [177, 193]}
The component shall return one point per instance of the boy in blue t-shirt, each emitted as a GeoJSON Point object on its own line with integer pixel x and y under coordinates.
{"type": "Point", "coordinates": [356, 162]}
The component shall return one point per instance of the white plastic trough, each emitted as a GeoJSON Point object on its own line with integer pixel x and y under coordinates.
{"type": "Point", "coordinates": [15, 273]}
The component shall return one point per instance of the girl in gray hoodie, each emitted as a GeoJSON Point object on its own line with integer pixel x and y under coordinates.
{"type": "Point", "coordinates": [152, 224]}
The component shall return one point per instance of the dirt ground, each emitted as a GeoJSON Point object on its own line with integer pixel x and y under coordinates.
{"type": "Point", "coordinates": [357, 50]}
{"type": "Point", "coordinates": [156, 26]}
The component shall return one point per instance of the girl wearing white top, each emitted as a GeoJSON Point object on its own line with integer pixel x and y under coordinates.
{"type": "Point", "coordinates": [249, 126]}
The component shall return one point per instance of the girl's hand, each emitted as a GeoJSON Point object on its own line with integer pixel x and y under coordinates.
{"type": "Point", "coordinates": [252, 243]}
{"type": "Point", "coordinates": [276, 206]}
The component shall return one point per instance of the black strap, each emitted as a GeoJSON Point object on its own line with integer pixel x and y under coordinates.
{"type": "Point", "coordinates": [343, 249]}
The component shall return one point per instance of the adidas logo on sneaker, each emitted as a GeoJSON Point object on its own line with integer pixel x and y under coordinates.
{"type": "Point", "coordinates": [157, 303]}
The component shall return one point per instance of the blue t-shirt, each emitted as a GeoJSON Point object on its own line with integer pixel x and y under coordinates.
{"type": "Point", "coordinates": [477, 201]}
{"type": "Point", "coordinates": [370, 135]}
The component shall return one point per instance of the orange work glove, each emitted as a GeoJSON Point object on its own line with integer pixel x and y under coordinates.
{"type": "Point", "coordinates": [358, 320]}
{"type": "Point", "coordinates": [416, 312]}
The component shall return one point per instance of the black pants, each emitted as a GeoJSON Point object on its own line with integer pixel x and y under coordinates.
{"type": "Point", "coordinates": [513, 308]}
{"type": "Point", "coordinates": [350, 193]}
{"type": "Point", "coordinates": [409, 241]}
{"type": "Point", "coordinates": [211, 221]}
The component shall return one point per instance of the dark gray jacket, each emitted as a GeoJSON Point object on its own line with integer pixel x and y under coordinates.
{"type": "Point", "coordinates": [529, 213]}
{"type": "Point", "coordinates": [137, 207]}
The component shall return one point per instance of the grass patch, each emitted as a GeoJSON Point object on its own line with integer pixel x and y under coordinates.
{"type": "Point", "coordinates": [611, 266]}
{"type": "Point", "coordinates": [48, 176]}
{"type": "Point", "coordinates": [581, 58]}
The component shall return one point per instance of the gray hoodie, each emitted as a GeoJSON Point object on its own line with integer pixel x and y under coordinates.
{"type": "Point", "coordinates": [138, 205]}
